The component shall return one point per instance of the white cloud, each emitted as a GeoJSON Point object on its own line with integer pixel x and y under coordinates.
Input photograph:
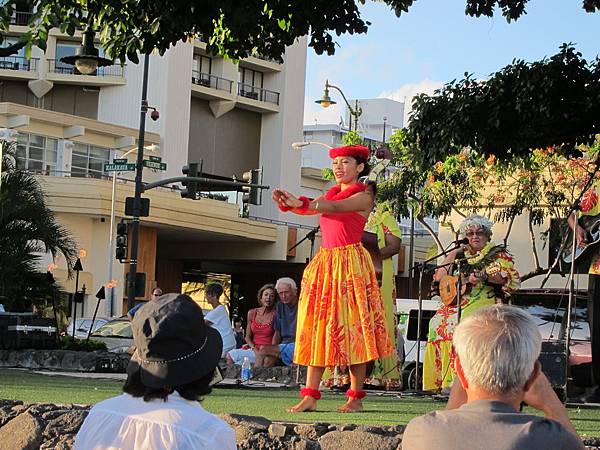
{"type": "Point", "coordinates": [406, 92]}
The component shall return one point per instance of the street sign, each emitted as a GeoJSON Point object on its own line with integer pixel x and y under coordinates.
{"type": "Point", "coordinates": [120, 161]}
{"type": "Point", "coordinates": [155, 165]}
{"type": "Point", "coordinates": [119, 167]}
{"type": "Point", "coordinates": [155, 158]}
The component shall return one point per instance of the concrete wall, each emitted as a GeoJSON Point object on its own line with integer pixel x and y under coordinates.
{"type": "Point", "coordinates": [227, 145]}
{"type": "Point", "coordinates": [69, 99]}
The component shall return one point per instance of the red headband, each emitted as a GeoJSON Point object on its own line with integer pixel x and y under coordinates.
{"type": "Point", "coordinates": [356, 151]}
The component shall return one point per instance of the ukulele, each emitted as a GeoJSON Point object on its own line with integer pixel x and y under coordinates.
{"type": "Point", "coordinates": [448, 284]}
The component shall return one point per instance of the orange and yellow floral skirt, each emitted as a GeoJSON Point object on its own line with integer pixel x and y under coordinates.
{"type": "Point", "coordinates": [340, 312]}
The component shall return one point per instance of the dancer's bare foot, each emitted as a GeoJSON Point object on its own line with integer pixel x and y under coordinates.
{"type": "Point", "coordinates": [306, 404]}
{"type": "Point", "coordinates": [352, 405]}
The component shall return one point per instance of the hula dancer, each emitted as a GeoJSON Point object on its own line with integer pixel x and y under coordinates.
{"type": "Point", "coordinates": [340, 312]}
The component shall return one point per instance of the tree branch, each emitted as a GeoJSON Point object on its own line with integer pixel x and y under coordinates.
{"type": "Point", "coordinates": [430, 230]}
{"type": "Point", "coordinates": [536, 259]}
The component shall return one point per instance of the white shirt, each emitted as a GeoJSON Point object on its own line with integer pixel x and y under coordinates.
{"type": "Point", "coordinates": [130, 423]}
{"type": "Point", "coordinates": [220, 322]}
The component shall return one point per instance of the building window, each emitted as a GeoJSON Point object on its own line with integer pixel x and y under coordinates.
{"type": "Point", "coordinates": [10, 40]}
{"type": "Point", "coordinates": [36, 153]}
{"type": "Point", "coordinates": [202, 64]}
{"type": "Point", "coordinates": [250, 77]}
{"type": "Point", "coordinates": [89, 160]}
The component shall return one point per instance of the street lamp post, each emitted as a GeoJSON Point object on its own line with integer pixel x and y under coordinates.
{"type": "Point", "coordinates": [139, 188]}
{"type": "Point", "coordinates": [325, 101]}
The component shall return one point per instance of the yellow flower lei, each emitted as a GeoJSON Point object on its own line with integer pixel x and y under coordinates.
{"type": "Point", "coordinates": [482, 254]}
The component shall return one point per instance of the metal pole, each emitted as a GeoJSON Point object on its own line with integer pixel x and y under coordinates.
{"type": "Point", "coordinates": [75, 301]}
{"type": "Point", "coordinates": [571, 291]}
{"type": "Point", "coordinates": [139, 188]}
{"type": "Point", "coordinates": [411, 252]}
{"type": "Point", "coordinates": [111, 243]}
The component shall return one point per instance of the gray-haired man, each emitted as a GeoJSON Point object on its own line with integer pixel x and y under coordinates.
{"type": "Point", "coordinates": [496, 362]}
{"type": "Point", "coordinates": [284, 324]}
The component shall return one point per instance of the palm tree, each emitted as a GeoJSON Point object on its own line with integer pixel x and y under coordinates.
{"type": "Point", "coordinates": [28, 229]}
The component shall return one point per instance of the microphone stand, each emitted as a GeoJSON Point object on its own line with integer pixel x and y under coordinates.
{"type": "Point", "coordinates": [571, 303]}
{"type": "Point", "coordinates": [421, 267]}
{"type": "Point", "coordinates": [311, 235]}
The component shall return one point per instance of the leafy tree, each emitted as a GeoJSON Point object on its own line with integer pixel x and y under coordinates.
{"type": "Point", "coordinates": [231, 28]}
{"type": "Point", "coordinates": [29, 229]}
{"type": "Point", "coordinates": [554, 102]}
{"type": "Point", "coordinates": [542, 184]}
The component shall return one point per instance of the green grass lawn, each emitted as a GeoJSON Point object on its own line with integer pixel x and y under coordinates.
{"type": "Point", "coordinates": [379, 410]}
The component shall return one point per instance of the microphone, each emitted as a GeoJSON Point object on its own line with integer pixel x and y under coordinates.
{"type": "Point", "coordinates": [463, 241]}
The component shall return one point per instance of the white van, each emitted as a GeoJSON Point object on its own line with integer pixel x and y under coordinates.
{"type": "Point", "coordinates": [407, 311]}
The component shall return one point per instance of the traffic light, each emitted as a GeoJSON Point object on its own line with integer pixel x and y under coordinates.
{"type": "Point", "coordinates": [253, 194]}
{"type": "Point", "coordinates": [121, 250]}
{"type": "Point", "coordinates": [191, 187]}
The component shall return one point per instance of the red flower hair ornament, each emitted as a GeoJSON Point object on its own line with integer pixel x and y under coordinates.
{"type": "Point", "coordinates": [357, 151]}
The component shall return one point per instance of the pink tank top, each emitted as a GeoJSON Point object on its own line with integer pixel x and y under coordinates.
{"type": "Point", "coordinates": [263, 332]}
{"type": "Point", "coordinates": [340, 229]}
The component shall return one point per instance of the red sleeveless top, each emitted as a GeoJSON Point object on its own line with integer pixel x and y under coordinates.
{"type": "Point", "coordinates": [263, 332]}
{"type": "Point", "coordinates": [341, 229]}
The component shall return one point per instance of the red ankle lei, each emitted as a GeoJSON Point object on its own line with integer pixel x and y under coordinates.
{"type": "Point", "coordinates": [336, 193]}
{"type": "Point", "coordinates": [309, 392]}
{"type": "Point", "coordinates": [355, 395]}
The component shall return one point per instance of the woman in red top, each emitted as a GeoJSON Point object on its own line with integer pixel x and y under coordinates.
{"type": "Point", "coordinates": [340, 312]}
{"type": "Point", "coordinates": [259, 330]}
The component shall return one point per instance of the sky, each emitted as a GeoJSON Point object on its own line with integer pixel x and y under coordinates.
{"type": "Point", "coordinates": [434, 43]}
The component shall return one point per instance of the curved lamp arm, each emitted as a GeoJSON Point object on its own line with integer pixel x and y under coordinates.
{"type": "Point", "coordinates": [299, 145]}
{"type": "Point", "coordinates": [357, 111]}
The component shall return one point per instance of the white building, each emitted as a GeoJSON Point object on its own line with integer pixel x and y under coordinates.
{"type": "Point", "coordinates": [232, 117]}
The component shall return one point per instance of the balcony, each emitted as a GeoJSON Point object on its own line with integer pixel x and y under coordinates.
{"type": "Point", "coordinates": [18, 68]}
{"type": "Point", "coordinates": [59, 72]}
{"type": "Point", "coordinates": [18, 63]}
{"type": "Point", "coordinates": [21, 18]}
{"type": "Point", "coordinates": [211, 81]}
{"type": "Point", "coordinates": [258, 94]}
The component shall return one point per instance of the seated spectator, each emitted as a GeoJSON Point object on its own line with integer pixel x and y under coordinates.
{"type": "Point", "coordinates": [281, 350]}
{"type": "Point", "coordinates": [259, 330]}
{"type": "Point", "coordinates": [156, 292]}
{"type": "Point", "coordinates": [218, 318]}
{"type": "Point", "coordinates": [167, 376]}
{"type": "Point", "coordinates": [239, 332]}
{"type": "Point", "coordinates": [497, 350]}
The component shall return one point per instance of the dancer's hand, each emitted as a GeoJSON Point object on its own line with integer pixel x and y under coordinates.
{"type": "Point", "coordinates": [284, 198]}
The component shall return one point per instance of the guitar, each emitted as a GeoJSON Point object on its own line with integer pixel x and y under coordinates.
{"type": "Point", "coordinates": [591, 225]}
{"type": "Point", "coordinates": [448, 284]}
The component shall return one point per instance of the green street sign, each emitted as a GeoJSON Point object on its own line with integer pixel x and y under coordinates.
{"type": "Point", "coordinates": [155, 158]}
{"type": "Point", "coordinates": [155, 165]}
{"type": "Point", "coordinates": [119, 167]}
{"type": "Point", "coordinates": [120, 161]}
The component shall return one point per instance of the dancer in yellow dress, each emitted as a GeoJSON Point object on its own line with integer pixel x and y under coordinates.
{"type": "Point", "coordinates": [340, 311]}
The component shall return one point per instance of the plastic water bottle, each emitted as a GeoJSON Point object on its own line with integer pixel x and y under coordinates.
{"type": "Point", "coordinates": [246, 369]}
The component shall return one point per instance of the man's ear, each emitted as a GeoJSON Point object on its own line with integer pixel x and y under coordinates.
{"type": "Point", "coordinates": [460, 373]}
{"type": "Point", "coordinates": [537, 369]}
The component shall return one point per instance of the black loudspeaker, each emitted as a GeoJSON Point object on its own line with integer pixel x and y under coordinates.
{"type": "Point", "coordinates": [553, 359]}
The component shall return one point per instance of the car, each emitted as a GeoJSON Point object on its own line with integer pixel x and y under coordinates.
{"type": "Point", "coordinates": [82, 326]}
{"type": "Point", "coordinates": [547, 306]}
{"type": "Point", "coordinates": [116, 334]}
